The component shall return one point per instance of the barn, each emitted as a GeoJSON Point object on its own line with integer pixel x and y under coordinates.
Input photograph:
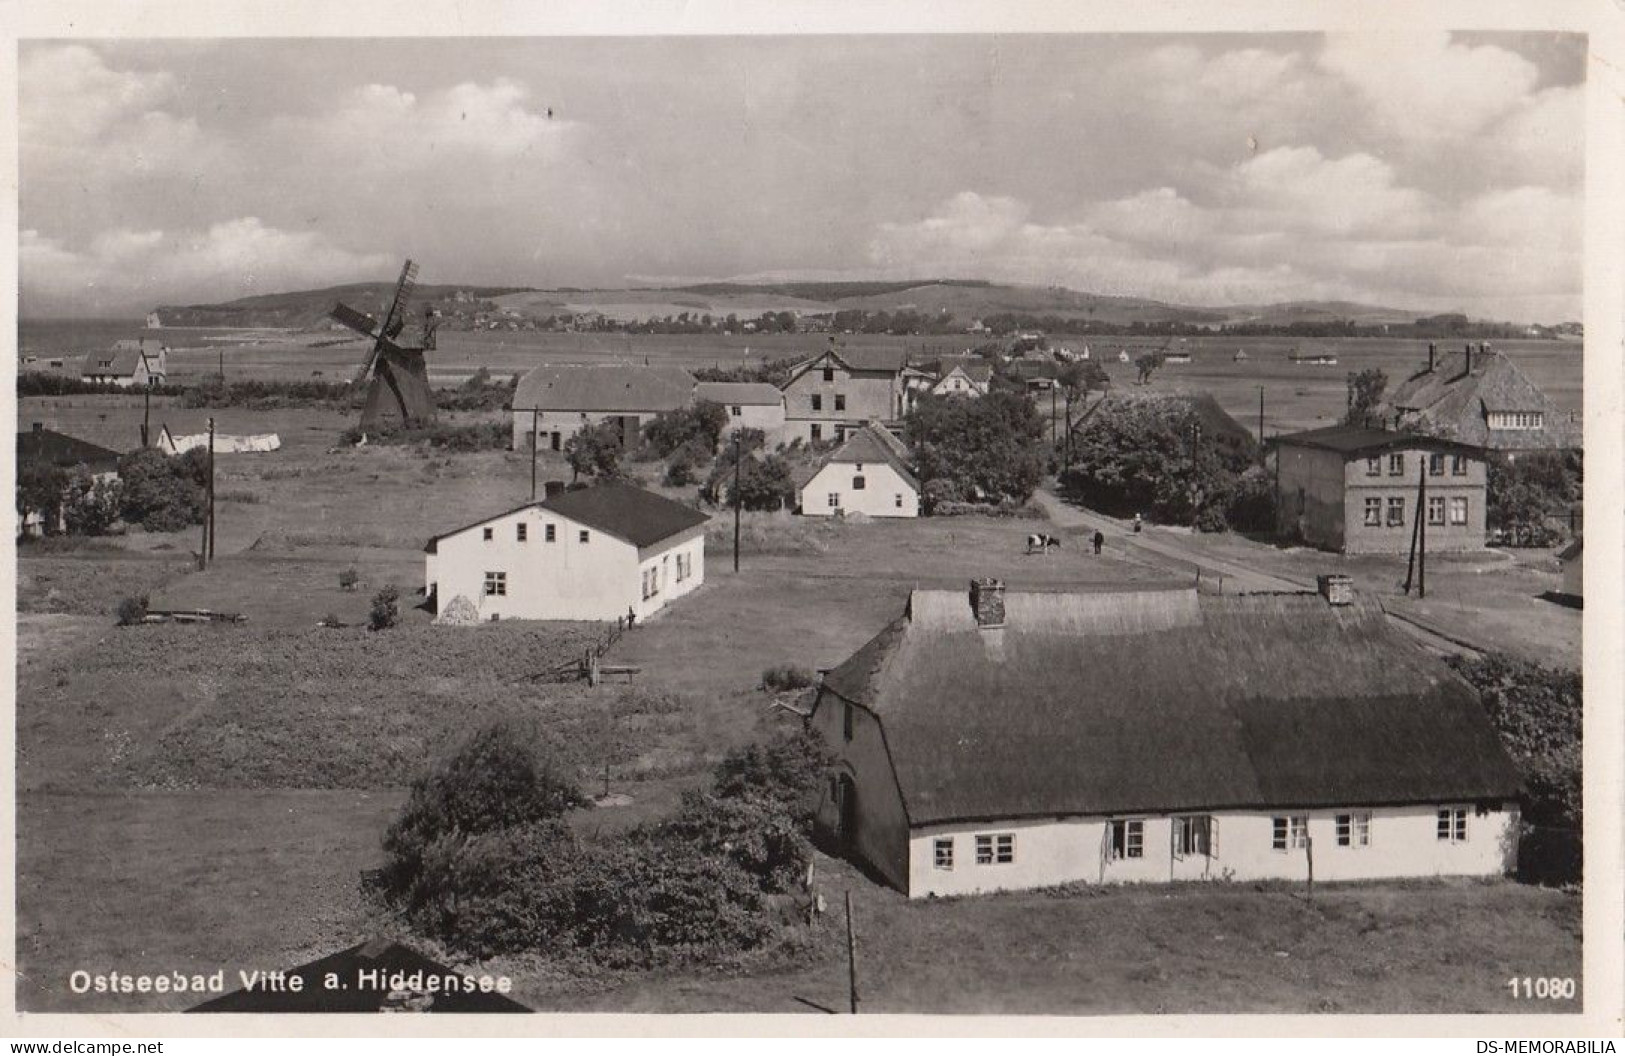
{"type": "Point", "coordinates": [867, 474]}
{"type": "Point", "coordinates": [554, 402]}
{"type": "Point", "coordinates": [990, 741]}
{"type": "Point", "coordinates": [595, 553]}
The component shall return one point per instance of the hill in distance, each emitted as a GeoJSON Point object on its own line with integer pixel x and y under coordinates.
{"type": "Point", "coordinates": [965, 299]}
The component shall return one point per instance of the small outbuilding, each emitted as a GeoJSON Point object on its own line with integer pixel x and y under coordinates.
{"type": "Point", "coordinates": [597, 553]}
{"type": "Point", "coordinates": [867, 474]}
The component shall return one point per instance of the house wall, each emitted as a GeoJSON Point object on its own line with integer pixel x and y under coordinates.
{"type": "Point", "coordinates": [882, 490]}
{"type": "Point", "coordinates": [1574, 577]}
{"type": "Point", "coordinates": [768, 418]}
{"type": "Point", "coordinates": [566, 424]}
{"type": "Point", "coordinates": [882, 835]}
{"type": "Point", "coordinates": [871, 395]}
{"type": "Point", "coordinates": [566, 579]}
{"type": "Point", "coordinates": [1404, 843]}
{"type": "Point", "coordinates": [1321, 497]}
{"type": "Point", "coordinates": [957, 383]}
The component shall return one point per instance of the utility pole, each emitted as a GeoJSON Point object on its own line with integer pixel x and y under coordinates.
{"type": "Point", "coordinates": [1053, 442]}
{"type": "Point", "coordinates": [210, 543]}
{"type": "Point", "coordinates": [851, 958]}
{"type": "Point", "coordinates": [535, 442]}
{"type": "Point", "coordinates": [146, 413]}
{"type": "Point", "coordinates": [1422, 529]}
{"type": "Point", "coordinates": [222, 353]}
{"type": "Point", "coordinates": [736, 500]}
{"type": "Point", "coordinates": [1261, 425]}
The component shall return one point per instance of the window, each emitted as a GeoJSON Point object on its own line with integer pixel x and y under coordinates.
{"type": "Point", "coordinates": [1396, 512]}
{"type": "Point", "coordinates": [1193, 836]}
{"type": "Point", "coordinates": [1435, 509]}
{"type": "Point", "coordinates": [496, 584]}
{"type": "Point", "coordinates": [847, 720]}
{"type": "Point", "coordinates": [1354, 830]}
{"type": "Point", "coordinates": [736, 411]}
{"type": "Point", "coordinates": [1373, 513]}
{"type": "Point", "coordinates": [1128, 839]}
{"type": "Point", "coordinates": [840, 402]}
{"type": "Point", "coordinates": [519, 531]}
{"type": "Point", "coordinates": [1373, 466]}
{"type": "Point", "coordinates": [829, 374]}
{"type": "Point", "coordinates": [816, 433]}
{"type": "Point", "coordinates": [1290, 833]}
{"type": "Point", "coordinates": [549, 534]}
{"type": "Point", "coordinates": [1453, 825]}
{"type": "Point", "coordinates": [1458, 510]}
{"type": "Point", "coordinates": [582, 536]}
{"type": "Point", "coordinates": [942, 852]}
{"type": "Point", "coordinates": [682, 567]}
{"type": "Point", "coordinates": [1517, 419]}
{"type": "Point", "coordinates": [834, 499]}
{"type": "Point", "coordinates": [490, 533]}
{"type": "Point", "coordinates": [857, 483]}
{"type": "Point", "coordinates": [899, 501]}
{"type": "Point", "coordinates": [1435, 465]}
{"type": "Point", "coordinates": [1396, 464]}
{"type": "Point", "coordinates": [817, 402]}
{"type": "Point", "coordinates": [996, 849]}
{"type": "Point", "coordinates": [1458, 465]}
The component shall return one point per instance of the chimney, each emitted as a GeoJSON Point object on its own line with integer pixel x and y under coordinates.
{"type": "Point", "coordinates": [1467, 368]}
{"type": "Point", "coordinates": [551, 488]}
{"type": "Point", "coordinates": [1336, 588]}
{"type": "Point", "coordinates": [987, 602]}
{"type": "Point", "coordinates": [1432, 352]}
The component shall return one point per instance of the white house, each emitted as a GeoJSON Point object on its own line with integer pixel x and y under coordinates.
{"type": "Point", "coordinates": [131, 363]}
{"type": "Point", "coordinates": [554, 402]}
{"type": "Point", "coordinates": [589, 554]}
{"type": "Point", "coordinates": [750, 405]}
{"type": "Point", "coordinates": [989, 741]}
{"type": "Point", "coordinates": [962, 376]}
{"type": "Point", "coordinates": [867, 474]}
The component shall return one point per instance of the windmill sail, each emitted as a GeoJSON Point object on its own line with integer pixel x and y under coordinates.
{"type": "Point", "coordinates": [399, 393]}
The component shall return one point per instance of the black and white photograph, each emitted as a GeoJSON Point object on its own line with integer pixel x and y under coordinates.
{"type": "Point", "coordinates": [1018, 522]}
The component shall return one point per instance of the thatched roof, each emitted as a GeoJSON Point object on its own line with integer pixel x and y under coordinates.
{"type": "Point", "coordinates": [873, 443]}
{"type": "Point", "coordinates": [47, 446]}
{"type": "Point", "coordinates": [744, 393]}
{"type": "Point", "coordinates": [1158, 701]}
{"type": "Point", "coordinates": [1455, 402]}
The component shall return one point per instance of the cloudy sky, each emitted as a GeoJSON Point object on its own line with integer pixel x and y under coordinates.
{"type": "Point", "coordinates": [1427, 172]}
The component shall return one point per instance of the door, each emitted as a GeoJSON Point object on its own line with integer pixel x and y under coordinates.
{"type": "Point", "coordinates": [846, 802]}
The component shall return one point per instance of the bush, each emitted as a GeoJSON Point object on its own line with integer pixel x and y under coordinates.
{"type": "Point", "coordinates": [132, 610]}
{"type": "Point", "coordinates": [989, 447]}
{"type": "Point", "coordinates": [386, 609]}
{"type": "Point", "coordinates": [499, 777]}
{"type": "Point", "coordinates": [786, 676]}
{"type": "Point", "coordinates": [91, 507]}
{"type": "Point", "coordinates": [163, 493]}
{"type": "Point", "coordinates": [765, 484]}
{"type": "Point", "coordinates": [699, 425]}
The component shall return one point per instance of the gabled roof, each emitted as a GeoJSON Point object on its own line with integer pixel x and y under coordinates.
{"type": "Point", "coordinates": [1454, 402]}
{"type": "Point", "coordinates": [118, 362]}
{"type": "Point", "coordinates": [606, 388]}
{"type": "Point", "coordinates": [977, 368]}
{"type": "Point", "coordinates": [1357, 440]}
{"type": "Point", "coordinates": [625, 511]}
{"type": "Point", "coordinates": [745, 393]}
{"type": "Point", "coordinates": [60, 449]}
{"type": "Point", "coordinates": [872, 443]}
{"type": "Point", "coordinates": [1157, 701]}
{"type": "Point", "coordinates": [874, 360]}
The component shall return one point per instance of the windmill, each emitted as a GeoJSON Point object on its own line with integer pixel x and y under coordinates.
{"type": "Point", "coordinates": [398, 393]}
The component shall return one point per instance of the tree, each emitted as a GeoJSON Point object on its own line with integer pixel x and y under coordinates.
{"type": "Point", "coordinates": [1525, 495]}
{"type": "Point", "coordinates": [1365, 391]}
{"type": "Point", "coordinates": [701, 424]}
{"type": "Point", "coordinates": [1146, 455]}
{"type": "Point", "coordinates": [764, 484]}
{"type": "Point", "coordinates": [163, 493]}
{"type": "Point", "coordinates": [595, 451]}
{"type": "Point", "coordinates": [91, 506]}
{"type": "Point", "coordinates": [40, 491]}
{"type": "Point", "coordinates": [988, 448]}
{"type": "Point", "coordinates": [1146, 365]}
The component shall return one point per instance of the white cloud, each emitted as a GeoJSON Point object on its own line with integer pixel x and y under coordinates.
{"type": "Point", "coordinates": [235, 258]}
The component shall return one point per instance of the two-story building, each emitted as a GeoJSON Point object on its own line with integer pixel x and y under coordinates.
{"type": "Point", "coordinates": [749, 405]}
{"type": "Point", "coordinates": [1357, 490]}
{"type": "Point", "coordinates": [840, 390]}
{"type": "Point", "coordinates": [131, 363]}
{"type": "Point", "coordinates": [868, 474]}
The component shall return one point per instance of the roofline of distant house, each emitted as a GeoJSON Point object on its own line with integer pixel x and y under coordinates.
{"type": "Point", "coordinates": [1397, 440]}
{"type": "Point", "coordinates": [1260, 806]}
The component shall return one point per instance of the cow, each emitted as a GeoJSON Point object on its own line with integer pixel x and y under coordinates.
{"type": "Point", "coordinates": [1041, 542]}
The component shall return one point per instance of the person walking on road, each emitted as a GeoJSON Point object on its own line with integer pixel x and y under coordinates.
{"type": "Point", "coordinates": [1137, 524]}
{"type": "Point", "coordinates": [1100, 540]}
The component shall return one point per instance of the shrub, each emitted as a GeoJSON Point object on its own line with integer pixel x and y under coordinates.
{"type": "Point", "coordinates": [498, 777]}
{"type": "Point", "coordinates": [594, 451]}
{"type": "Point", "coordinates": [700, 425]}
{"type": "Point", "coordinates": [386, 609]}
{"type": "Point", "coordinates": [132, 610]}
{"type": "Point", "coordinates": [786, 676]}
{"type": "Point", "coordinates": [765, 484]}
{"type": "Point", "coordinates": [163, 493]}
{"type": "Point", "coordinates": [89, 506]}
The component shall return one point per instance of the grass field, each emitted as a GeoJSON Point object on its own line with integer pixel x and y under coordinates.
{"type": "Point", "coordinates": [200, 797]}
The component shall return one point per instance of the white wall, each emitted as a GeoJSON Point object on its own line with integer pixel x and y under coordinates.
{"type": "Point", "coordinates": [662, 559]}
{"type": "Point", "coordinates": [561, 580]}
{"type": "Point", "coordinates": [565, 423]}
{"type": "Point", "coordinates": [878, 498]}
{"type": "Point", "coordinates": [883, 833]}
{"type": "Point", "coordinates": [1404, 843]}
{"type": "Point", "coordinates": [768, 418]}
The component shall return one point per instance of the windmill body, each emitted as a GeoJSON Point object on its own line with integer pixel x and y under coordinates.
{"type": "Point", "coordinates": [396, 373]}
